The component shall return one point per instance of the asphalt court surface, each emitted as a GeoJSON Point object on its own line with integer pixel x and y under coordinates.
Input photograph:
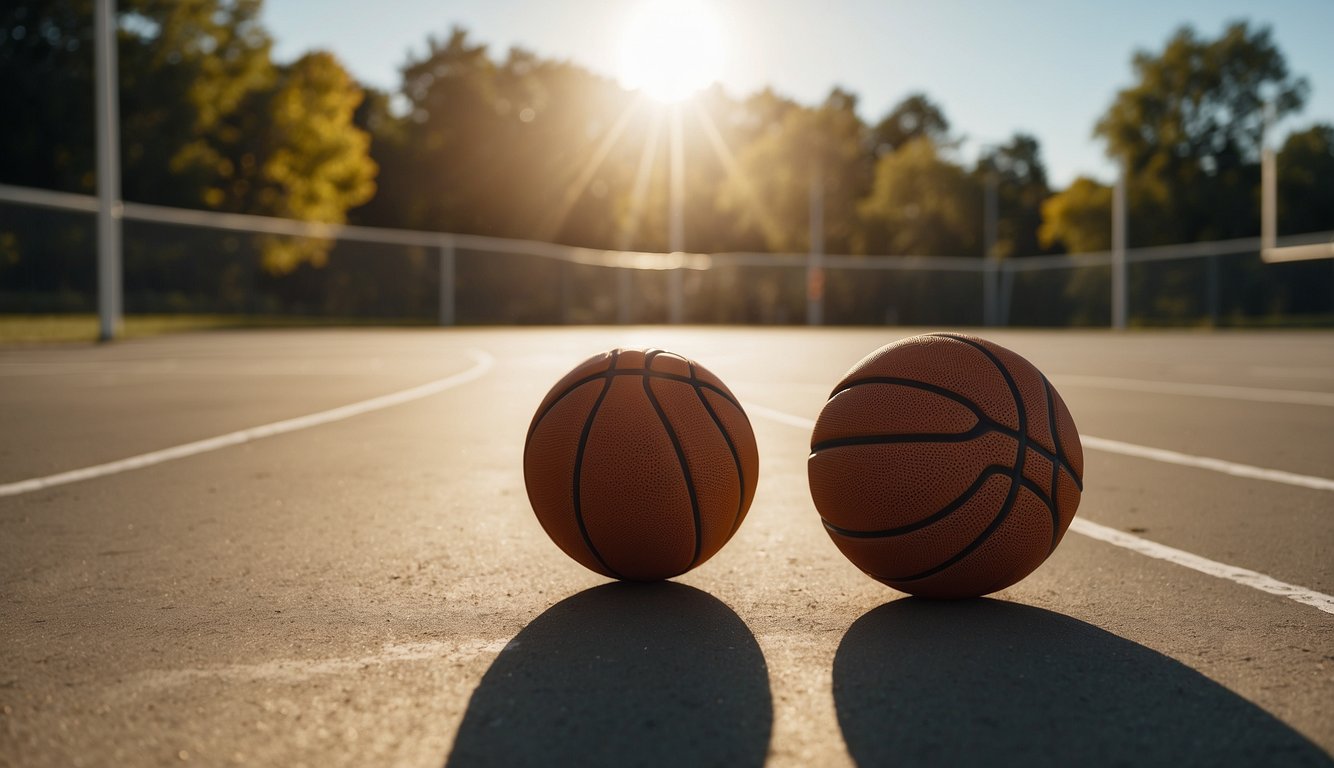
{"type": "Point", "coordinates": [372, 587]}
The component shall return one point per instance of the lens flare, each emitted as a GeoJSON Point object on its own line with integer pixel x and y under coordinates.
{"type": "Point", "coordinates": [671, 49]}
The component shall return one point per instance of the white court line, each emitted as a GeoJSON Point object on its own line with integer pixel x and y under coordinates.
{"type": "Point", "coordinates": [482, 363]}
{"type": "Point", "coordinates": [1205, 462]}
{"type": "Point", "coordinates": [1204, 565]}
{"type": "Point", "coordinates": [1129, 449]}
{"type": "Point", "coordinates": [1224, 391]}
{"type": "Point", "coordinates": [1231, 573]}
{"type": "Point", "coordinates": [288, 671]}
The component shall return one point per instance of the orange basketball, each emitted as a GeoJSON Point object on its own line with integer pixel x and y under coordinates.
{"type": "Point", "coordinates": [640, 464]}
{"type": "Point", "coordinates": [946, 466]}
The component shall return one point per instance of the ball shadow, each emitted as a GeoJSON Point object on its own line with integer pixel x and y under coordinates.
{"type": "Point", "coordinates": [623, 674]}
{"type": "Point", "coordinates": [984, 682]}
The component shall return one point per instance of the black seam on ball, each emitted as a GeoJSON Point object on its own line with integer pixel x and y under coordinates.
{"type": "Point", "coordinates": [977, 411]}
{"type": "Point", "coordinates": [680, 452]}
{"type": "Point", "coordinates": [578, 470]}
{"type": "Point", "coordinates": [1054, 506]}
{"type": "Point", "coordinates": [731, 446]}
{"type": "Point", "coordinates": [613, 372]}
{"type": "Point", "coordinates": [963, 498]}
{"type": "Point", "coordinates": [1015, 475]}
{"type": "Point", "coordinates": [1061, 460]}
{"type": "Point", "coordinates": [903, 437]}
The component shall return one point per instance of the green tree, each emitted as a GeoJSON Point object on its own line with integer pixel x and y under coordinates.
{"type": "Point", "coordinates": [293, 151]}
{"type": "Point", "coordinates": [1021, 187]}
{"type": "Point", "coordinates": [916, 116]}
{"type": "Point", "coordinates": [804, 147]}
{"type": "Point", "coordinates": [182, 67]}
{"type": "Point", "coordinates": [922, 204]}
{"type": "Point", "coordinates": [207, 119]}
{"type": "Point", "coordinates": [1306, 181]}
{"type": "Point", "coordinates": [46, 60]}
{"type": "Point", "coordinates": [1078, 219]}
{"type": "Point", "coordinates": [185, 68]}
{"type": "Point", "coordinates": [1190, 130]}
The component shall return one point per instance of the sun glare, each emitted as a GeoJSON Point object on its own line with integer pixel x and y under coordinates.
{"type": "Point", "coordinates": [671, 49]}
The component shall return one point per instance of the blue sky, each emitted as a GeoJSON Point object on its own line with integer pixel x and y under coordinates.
{"type": "Point", "coordinates": [1046, 67]}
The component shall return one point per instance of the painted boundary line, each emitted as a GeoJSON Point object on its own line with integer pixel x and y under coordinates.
{"type": "Point", "coordinates": [1204, 565]}
{"type": "Point", "coordinates": [1222, 391]}
{"type": "Point", "coordinates": [482, 364]}
{"type": "Point", "coordinates": [1205, 462]}
{"type": "Point", "coordinates": [1232, 573]}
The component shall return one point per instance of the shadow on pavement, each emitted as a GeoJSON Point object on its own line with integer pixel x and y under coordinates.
{"type": "Point", "coordinates": [623, 674]}
{"type": "Point", "coordinates": [984, 682]}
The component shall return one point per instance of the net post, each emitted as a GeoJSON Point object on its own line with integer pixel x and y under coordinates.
{"type": "Point", "coordinates": [815, 259]}
{"type": "Point", "coordinates": [109, 273]}
{"type": "Point", "coordinates": [1214, 289]}
{"type": "Point", "coordinates": [563, 312]}
{"type": "Point", "coordinates": [991, 271]}
{"type": "Point", "coordinates": [1268, 184]}
{"type": "Point", "coordinates": [446, 247]}
{"type": "Point", "coordinates": [676, 224]}
{"type": "Point", "coordinates": [623, 295]}
{"type": "Point", "coordinates": [1119, 298]}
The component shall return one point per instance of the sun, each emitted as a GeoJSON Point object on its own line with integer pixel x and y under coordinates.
{"type": "Point", "coordinates": [671, 49]}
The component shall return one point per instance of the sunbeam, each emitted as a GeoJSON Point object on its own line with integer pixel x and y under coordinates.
{"type": "Point", "coordinates": [554, 221]}
{"type": "Point", "coordinates": [767, 223]}
{"type": "Point", "coordinates": [639, 193]}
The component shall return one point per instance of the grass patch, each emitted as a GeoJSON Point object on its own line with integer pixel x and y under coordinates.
{"type": "Point", "coordinates": [48, 329]}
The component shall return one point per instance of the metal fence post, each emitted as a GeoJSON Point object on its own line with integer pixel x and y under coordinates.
{"type": "Point", "coordinates": [1215, 288]}
{"type": "Point", "coordinates": [990, 310]}
{"type": "Point", "coordinates": [1120, 300]}
{"type": "Point", "coordinates": [446, 280]}
{"type": "Point", "coordinates": [109, 287]}
{"type": "Point", "coordinates": [815, 258]}
{"type": "Point", "coordinates": [623, 295]}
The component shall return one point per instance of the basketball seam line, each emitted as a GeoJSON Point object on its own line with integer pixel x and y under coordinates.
{"type": "Point", "coordinates": [963, 498]}
{"type": "Point", "coordinates": [987, 473]}
{"type": "Point", "coordinates": [1055, 467]}
{"type": "Point", "coordinates": [979, 430]}
{"type": "Point", "coordinates": [680, 453]}
{"type": "Point", "coordinates": [578, 470]}
{"type": "Point", "coordinates": [960, 399]}
{"type": "Point", "coordinates": [1015, 476]}
{"type": "Point", "coordinates": [611, 372]}
{"type": "Point", "coordinates": [731, 446]}
{"type": "Point", "coordinates": [1060, 454]}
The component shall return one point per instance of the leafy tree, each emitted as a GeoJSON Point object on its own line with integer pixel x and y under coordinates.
{"type": "Point", "coordinates": [806, 146]}
{"type": "Point", "coordinates": [182, 66]}
{"type": "Point", "coordinates": [1190, 130]}
{"type": "Point", "coordinates": [292, 151]}
{"type": "Point", "coordinates": [916, 116]}
{"type": "Point", "coordinates": [1306, 181]}
{"type": "Point", "coordinates": [207, 119]}
{"type": "Point", "coordinates": [185, 68]}
{"type": "Point", "coordinates": [1021, 187]}
{"type": "Point", "coordinates": [922, 204]}
{"type": "Point", "coordinates": [1078, 219]}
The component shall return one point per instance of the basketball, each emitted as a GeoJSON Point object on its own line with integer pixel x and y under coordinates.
{"type": "Point", "coordinates": [640, 464]}
{"type": "Point", "coordinates": [945, 466]}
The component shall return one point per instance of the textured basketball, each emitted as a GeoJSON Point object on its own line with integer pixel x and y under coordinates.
{"type": "Point", "coordinates": [945, 466]}
{"type": "Point", "coordinates": [640, 464]}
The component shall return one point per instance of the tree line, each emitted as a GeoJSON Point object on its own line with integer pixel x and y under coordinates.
{"type": "Point", "coordinates": [518, 145]}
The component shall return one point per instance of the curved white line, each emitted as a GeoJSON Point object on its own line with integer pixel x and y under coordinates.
{"type": "Point", "coordinates": [1232, 573]}
{"type": "Point", "coordinates": [482, 363]}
